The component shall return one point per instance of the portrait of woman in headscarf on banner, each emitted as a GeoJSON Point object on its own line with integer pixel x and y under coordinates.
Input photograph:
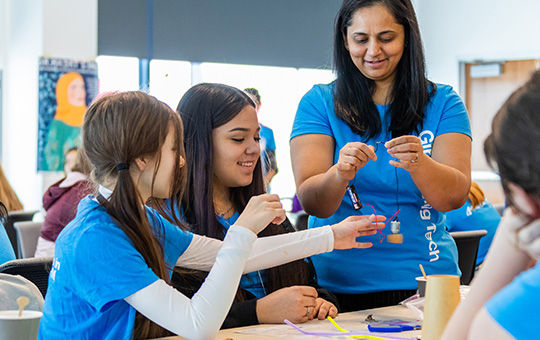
{"type": "Point", "coordinates": [64, 132]}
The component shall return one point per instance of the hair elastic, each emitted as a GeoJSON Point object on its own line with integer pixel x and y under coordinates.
{"type": "Point", "coordinates": [122, 166]}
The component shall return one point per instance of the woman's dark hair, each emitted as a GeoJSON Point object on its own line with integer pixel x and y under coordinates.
{"type": "Point", "coordinates": [119, 129]}
{"type": "Point", "coordinates": [353, 101]}
{"type": "Point", "coordinates": [512, 147]}
{"type": "Point", "coordinates": [203, 108]}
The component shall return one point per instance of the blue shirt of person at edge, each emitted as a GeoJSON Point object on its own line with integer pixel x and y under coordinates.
{"type": "Point", "coordinates": [385, 266]}
{"type": "Point", "coordinates": [95, 267]}
{"type": "Point", "coordinates": [514, 306]}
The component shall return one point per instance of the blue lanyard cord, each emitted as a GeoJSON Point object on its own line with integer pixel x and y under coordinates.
{"type": "Point", "coordinates": [258, 271]}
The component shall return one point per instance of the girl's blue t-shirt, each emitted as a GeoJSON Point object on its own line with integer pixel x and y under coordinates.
{"type": "Point", "coordinates": [250, 281]}
{"type": "Point", "coordinates": [514, 307]}
{"type": "Point", "coordinates": [95, 267]}
{"type": "Point", "coordinates": [385, 266]}
{"type": "Point", "coordinates": [484, 216]}
{"type": "Point", "coordinates": [6, 249]}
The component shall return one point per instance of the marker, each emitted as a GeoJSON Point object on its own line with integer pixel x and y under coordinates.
{"type": "Point", "coordinates": [351, 190]}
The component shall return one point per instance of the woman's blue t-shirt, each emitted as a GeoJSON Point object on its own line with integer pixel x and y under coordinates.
{"type": "Point", "coordinates": [95, 267]}
{"type": "Point", "coordinates": [514, 307]}
{"type": "Point", "coordinates": [250, 281]}
{"type": "Point", "coordinates": [385, 266]}
{"type": "Point", "coordinates": [484, 216]}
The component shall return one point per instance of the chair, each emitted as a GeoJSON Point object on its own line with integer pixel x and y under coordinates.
{"type": "Point", "coordinates": [27, 237]}
{"type": "Point", "coordinates": [301, 221]}
{"type": "Point", "coordinates": [34, 269]}
{"type": "Point", "coordinates": [467, 245]}
{"type": "Point", "coordinates": [16, 216]}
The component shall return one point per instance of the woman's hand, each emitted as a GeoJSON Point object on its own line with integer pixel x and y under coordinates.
{"type": "Point", "coordinates": [352, 157]}
{"type": "Point", "coordinates": [260, 211]}
{"type": "Point", "coordinates": [408, 150]}
{"type": "Point", "coordinates": [296, 304]}
{"type": "Point", "coordinates": [346, 231]}
{"type": "Point", "coordinates": [323, 309]}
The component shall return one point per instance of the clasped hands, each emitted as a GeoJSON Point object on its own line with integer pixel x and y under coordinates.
{"type": "Point", "coordinates": [408, 151]}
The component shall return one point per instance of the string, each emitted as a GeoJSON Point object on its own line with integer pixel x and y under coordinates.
{"type": "Point", "coordinates": [258, 271]}
{"type": "Point", "coordinates": [357, 335]}
{"type": "Point", "coordinates": [380, 233]}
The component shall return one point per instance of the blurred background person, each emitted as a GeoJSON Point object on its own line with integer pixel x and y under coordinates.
{"type": "Point", "coordinates": [61, 200]}
{"type": "Point", "coordinates": [267, 142]}
{"type": "Point", "coordinates": [476, 214]}
{"type": "Point", "coordinates": [8, 195]}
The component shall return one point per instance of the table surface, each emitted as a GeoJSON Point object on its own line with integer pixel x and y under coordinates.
{"type": "Point", "coordinates": [352, 321]}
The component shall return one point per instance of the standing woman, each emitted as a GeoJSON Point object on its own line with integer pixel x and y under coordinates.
{"type": "Point", "coordinates": [401, 140]}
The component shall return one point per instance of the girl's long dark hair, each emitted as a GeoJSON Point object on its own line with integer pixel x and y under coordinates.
{"type": "Point", "coordinates": [512, 147]}
{"type": "Point", "coordinates": [353, 101]}
{"type": "Point", "coordinates": [203, 108]}
{"type": "Point", "coordinates": [119, 129]}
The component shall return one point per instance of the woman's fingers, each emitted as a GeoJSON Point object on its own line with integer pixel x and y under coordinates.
{"type": "Point", "coordinates": [408, 151]}
{"type": "Point", "coordinates": [363, 245]}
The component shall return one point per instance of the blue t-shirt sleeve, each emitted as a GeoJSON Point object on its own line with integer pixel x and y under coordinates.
{"type": "Point", "coordinates": [520, 298]}
{"type": "Point", "coordinates": [107, 267]}
{"type": "Point", "coordinates": [175, 240]}
{"type": "Point", "coordinates": [454, 116]}
{"type": "Point", "coordinates": [312, 113]}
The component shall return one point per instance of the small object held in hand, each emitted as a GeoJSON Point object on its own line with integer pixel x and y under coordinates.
{"type": "Point", "coordinates": [351, 190]}
{"type": "Point", "coordinates": [22, 301]}
{"type": "Point", "coordinates": [395, 236]}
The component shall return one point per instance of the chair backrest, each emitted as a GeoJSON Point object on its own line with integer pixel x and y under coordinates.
{"type": "Point", "coordinates": [16, 216]}
{"type": "Point", "coordinates": [27, 237]}
{"type": "Point", "coordinates": [34, 269]}
{"type": "Point", "coordinates": [467, 243]}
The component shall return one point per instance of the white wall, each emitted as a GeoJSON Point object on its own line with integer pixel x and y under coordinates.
{"type": "Point", "coordinates": [469, 30]}
{"type": "Point", "coordinates": [30, 29]}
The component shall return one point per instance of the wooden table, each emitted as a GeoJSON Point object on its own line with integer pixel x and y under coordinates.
{"type": "Point", "coordinates": [352, 321]}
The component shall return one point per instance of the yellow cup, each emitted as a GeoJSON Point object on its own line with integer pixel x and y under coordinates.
{"type": "Point", "coordinates": [442, 298]}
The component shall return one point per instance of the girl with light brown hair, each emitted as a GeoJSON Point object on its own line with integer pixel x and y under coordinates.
{"type": "Point", "coordinates": [112, 263]}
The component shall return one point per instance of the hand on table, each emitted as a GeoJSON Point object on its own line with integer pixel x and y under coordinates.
{"type": "Point", "coordinates": [323, 309]}
{"type": "Point", "coordinates": [296, 304]}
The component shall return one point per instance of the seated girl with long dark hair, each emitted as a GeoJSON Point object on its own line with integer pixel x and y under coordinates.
{"type": "Point", "coordinates": [224, 172]}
